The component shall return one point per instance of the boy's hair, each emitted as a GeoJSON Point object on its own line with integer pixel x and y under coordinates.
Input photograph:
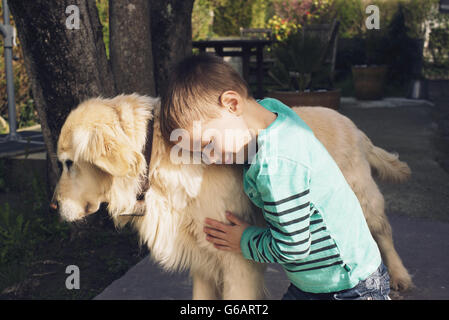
{"type": "Point", "coordinates": [194, 89]}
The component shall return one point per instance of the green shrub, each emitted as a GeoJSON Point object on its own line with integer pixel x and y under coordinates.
{"type": "Point", "coordinates": [25, 224]}
{"type": "Point", "coordinates": [302, 12]}
{"type": "Point", "coordinates": [202, 19]}
{"type": "Point", "coordinates": [297, 61]}
{"type": "Point", "coordinates": [13, 234]}
{"type": "Point", "coordinates": [261, 12]}
{"type": "Point", "coordinates": [230, 15]}
{"type": "Point", "coordinates": [351, 15]}
{"type": "Point", "coordinates": [103, 12]}
{"type": "Point", "coordinates": [436, 64]}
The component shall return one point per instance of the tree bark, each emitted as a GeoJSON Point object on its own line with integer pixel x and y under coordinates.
{"type": "Point", "coordinates": [130, 46]}
{"type": "Point", "coordinates": [65, 65]}
{"type": "Point", "coordinates": [171, 35]}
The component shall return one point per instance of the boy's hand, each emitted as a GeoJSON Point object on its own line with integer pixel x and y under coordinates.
{"type": "Point", "coordinates": [223, 236]}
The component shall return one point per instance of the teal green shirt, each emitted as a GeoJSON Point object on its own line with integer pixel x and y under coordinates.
{"type": "Point", "coordinates": [315, 225]}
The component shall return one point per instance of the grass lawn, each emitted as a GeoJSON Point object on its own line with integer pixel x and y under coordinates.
{"type": "Point", "coordinates": [36, 247]}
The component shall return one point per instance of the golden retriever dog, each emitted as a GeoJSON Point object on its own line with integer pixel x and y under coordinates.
{"type": "Point", "coordinates": [100, 148]}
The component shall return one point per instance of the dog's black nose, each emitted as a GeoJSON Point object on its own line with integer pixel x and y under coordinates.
{"type": "Point", "coordinates": [54, 206]}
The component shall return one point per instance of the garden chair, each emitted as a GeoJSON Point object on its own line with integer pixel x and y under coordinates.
{"type": "Point", "coordinates": [328, 33]}
{"type": "Point", "coordinates": [258, 33]}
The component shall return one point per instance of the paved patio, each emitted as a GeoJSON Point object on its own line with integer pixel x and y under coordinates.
{"type": "Point", "coordinates": [417, 209]}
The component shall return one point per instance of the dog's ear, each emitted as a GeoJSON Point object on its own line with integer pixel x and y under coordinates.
{"type": "Point", "coordinates": [108, 147]}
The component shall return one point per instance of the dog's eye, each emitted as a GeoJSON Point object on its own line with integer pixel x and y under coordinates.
{"type": "Point", "coordinates": [68, 163]}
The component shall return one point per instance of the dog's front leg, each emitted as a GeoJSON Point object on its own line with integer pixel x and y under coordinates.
{"type": "Point", "coordinates": [243, 279]}
{"type": "Point", "coordinates": [203, 288]}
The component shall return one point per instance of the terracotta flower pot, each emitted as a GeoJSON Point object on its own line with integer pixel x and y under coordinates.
{"type": "Point", "coordinates": [369, 82]}
{"type": "Point", "coordinates": [329, 99]}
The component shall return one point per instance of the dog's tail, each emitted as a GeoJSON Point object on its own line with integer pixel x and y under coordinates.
{"type": "Point", "coordinates": [387, 165]}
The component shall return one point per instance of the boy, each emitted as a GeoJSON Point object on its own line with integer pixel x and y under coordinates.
{"type": "Point", "coordinates": [316, 228]}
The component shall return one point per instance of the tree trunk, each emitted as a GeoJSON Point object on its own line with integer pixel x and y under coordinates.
{"type": "Point", "coordinates": [130, 46]}
{"type": "Point", "coordinates": [171, 35]}
{"type": "Point", "coordinates": [65, 65]}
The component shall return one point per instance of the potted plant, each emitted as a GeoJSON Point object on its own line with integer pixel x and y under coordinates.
{"type": "Point", "coordinates": [301, 76]}
{"type": "Point", "coordinates": [302, 69]}
{"type": "Point", "coordinates": [369, 78]}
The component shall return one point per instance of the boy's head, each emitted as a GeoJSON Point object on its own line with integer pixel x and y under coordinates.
{"type": "Point", "coordinates": [202, 88]}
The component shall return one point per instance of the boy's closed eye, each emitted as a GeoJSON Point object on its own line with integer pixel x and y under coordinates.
{"type": "Point", "coordinates": [204, 143]}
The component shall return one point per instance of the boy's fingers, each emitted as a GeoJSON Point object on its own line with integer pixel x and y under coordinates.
{"type": "Point", "coordinates": [216, 233]}
{"type": "Point", "coordinates": [216, 224]}
{"type": "Point", "coordinates": [221, 247]}
{"type": "Point", "coordinates": [233, 218]}
{"type": "Point", "coordinates": [215, 240]}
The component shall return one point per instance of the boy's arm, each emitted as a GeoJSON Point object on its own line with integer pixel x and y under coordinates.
{"type": "Point", "coordinates": [286, 197]}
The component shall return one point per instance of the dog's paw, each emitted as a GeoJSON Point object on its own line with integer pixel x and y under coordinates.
{"type": "Point", "coordinates": [401, 282]}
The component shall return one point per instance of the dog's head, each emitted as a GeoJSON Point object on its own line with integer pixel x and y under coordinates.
{"type": "Point", "coordinates": [100, 146]}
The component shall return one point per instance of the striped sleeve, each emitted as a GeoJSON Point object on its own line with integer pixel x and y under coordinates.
{"type": "Point", "coordinates": [286, 207]}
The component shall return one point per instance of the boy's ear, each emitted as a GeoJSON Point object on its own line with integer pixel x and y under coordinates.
{"type": "Point", "coordinates": [231, 100]}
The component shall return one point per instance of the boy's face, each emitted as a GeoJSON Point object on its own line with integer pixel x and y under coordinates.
{"type": "Point", "coordinates": [221, 140]}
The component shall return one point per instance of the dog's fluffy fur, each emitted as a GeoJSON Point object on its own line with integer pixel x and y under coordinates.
{"type": "Point", "coordinates": [105, 138]}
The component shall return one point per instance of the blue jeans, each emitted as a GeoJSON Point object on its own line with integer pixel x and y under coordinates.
{"type": "Point", "coordinates": [375, 287]}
